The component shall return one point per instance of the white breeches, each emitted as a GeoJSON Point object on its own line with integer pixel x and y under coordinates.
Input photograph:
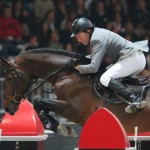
{"type": "Point", "coordinates": [127, 65]}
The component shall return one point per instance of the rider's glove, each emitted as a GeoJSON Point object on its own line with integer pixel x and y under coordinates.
{"type": "Point", "coordinates": [70, 64]}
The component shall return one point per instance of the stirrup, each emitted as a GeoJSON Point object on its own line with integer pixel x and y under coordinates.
{"type": "Point", "coordinates": [133, 107]}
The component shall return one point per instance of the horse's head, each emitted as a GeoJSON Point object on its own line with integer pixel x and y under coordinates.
{"type": "Point", "coordinates": [15, 85]}
{"type": "Point", "coordinates": [49, 65]}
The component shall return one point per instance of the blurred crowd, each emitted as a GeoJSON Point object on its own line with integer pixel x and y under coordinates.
{"type": "Point", "coordinates": [29, 24]}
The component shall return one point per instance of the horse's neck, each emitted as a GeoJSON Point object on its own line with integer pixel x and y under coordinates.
{"type": "Point", "coordinates": [43, 64]}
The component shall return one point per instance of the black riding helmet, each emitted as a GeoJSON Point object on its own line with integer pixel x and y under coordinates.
{"type": "Point", "coordinates": [79, 25]}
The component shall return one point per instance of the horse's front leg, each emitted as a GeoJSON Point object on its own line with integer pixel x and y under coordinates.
{"type": "Point", "coordinates": [42, 107]}
{"type": "Point", "coordinates": [60, 107]}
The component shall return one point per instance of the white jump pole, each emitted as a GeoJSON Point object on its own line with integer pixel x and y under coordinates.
{"type": "Point", "coordinates": [134, 139]}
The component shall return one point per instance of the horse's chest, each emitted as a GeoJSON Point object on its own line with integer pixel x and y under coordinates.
{"type": "Point", "coordinates": [70, 87]}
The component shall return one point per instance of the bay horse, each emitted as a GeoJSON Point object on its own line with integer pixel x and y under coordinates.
{"type": "Point", "coordinates": [76, 99]}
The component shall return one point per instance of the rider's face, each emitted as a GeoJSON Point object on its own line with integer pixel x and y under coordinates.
{"type": "Point", "coordinates": [83, 38]}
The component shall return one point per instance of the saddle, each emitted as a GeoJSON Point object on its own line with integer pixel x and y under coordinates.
{"type": "Point", "coordinates": [136, 81]}
{"type": "Point", "coordinates": [137, 84]}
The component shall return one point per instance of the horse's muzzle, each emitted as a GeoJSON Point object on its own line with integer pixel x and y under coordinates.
{"type": "Point", "coordinates": [11, 108]}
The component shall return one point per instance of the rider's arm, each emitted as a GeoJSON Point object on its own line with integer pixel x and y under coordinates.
{"type": "Point", "coordinates": [98, 51]}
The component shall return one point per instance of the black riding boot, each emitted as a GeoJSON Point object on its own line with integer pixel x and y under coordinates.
{"type": "Point", "coordinates": [119, 88]}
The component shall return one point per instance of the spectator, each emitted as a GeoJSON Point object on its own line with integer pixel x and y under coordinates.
{"type": "Point", "coordinates": [44, 34]}
{"type": "Point", "coordinates": [110, 14]}
{"type": "Point", "coordinates": [61, 14]}
{"type": "Point", "coordinates": [121, 7]}
{"type": "Point", "coordinates": [11, 29]}
{"type": "Point", "coordinates": [50, 19]}
{"type": "Point", "coordinates": [41, 7]}
{"type": "Point", "coordinates": [80, 7]}
{"type": "Point", "coordinates": [72, 14]}
{"type": "Point", "coordinates": [117, 23]}
{"type": "Point", "coordinates": [17, 9]}
{"type": "Point", "coordinates": [11, 32]}
{"type": "Point", "coordinates": [117, 9]}
{"type": "Point", "coordinates": [140, 14]}
{"type": "Point", "coordinates": [140, 31]}
{"type": "Point", "coordinates": [28, 22]}
{"type": "Point", "coordinates": [54, 41]}
{"type": "Point", "coordinates": [99, 15]}
{"type": "Point", "coordinates": [33, 43]}
{"type": "Point", "coordinates": [87, 4]}
{"type": "Point", "coordinates": [65, 33]}
{"type": "Point", "coordinates": [129, 31]}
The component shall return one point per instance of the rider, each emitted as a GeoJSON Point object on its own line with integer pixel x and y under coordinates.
{"type": "Point", "coordinates": [128, 58]}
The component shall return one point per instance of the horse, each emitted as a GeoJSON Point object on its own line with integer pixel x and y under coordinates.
{"type": "Point", "coordinates": [76, 99]}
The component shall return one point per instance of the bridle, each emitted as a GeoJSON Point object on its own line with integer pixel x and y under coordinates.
{"type": "Point", "coordinates": [15, 74]}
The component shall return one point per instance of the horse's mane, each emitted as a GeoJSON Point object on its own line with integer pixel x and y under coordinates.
{"type": "Point", "coordinates": [54, 51]}
{"type": "Point", "coordinates": [80, 58]}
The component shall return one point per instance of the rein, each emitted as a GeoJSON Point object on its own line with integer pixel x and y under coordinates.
{"type": "Point", "coordinates": [18, 96]}
{"type": "Point", "coordinates": [43, 78]}
{"type": "Point", "coordinates": [27, 91]}
{"type": "Point", "coordinates": [48, 75]}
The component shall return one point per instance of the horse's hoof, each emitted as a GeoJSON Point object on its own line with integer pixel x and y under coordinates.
{"type": "Point", "coordinates": [71, 131]}
{"type": "Point", "coordinates": [62, 130]}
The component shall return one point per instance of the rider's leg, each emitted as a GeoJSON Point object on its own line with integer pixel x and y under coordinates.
{"type": "Point", "coordinates": [128, 95]}
{"type": "Point", "coordinates": [125, 67]}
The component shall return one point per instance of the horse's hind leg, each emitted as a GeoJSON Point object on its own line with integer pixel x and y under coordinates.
{"type": "Point", "coordinates": [49, 122]}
